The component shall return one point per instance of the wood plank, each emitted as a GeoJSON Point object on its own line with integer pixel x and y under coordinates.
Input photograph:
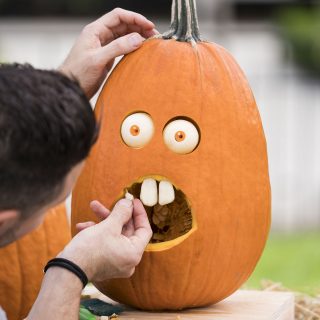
{"type": "Point", "coordinates": [242, 305]}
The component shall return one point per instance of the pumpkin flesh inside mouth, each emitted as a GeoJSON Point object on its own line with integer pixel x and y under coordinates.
{"type": "Point", "coordinates": [171, 223]}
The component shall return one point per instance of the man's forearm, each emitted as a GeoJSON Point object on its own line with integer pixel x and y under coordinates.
{"type": "Point", "coordinates": [59, 297]}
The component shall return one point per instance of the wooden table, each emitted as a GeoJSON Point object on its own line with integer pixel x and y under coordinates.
{"type": "Point", "coordinates": [242, 305]}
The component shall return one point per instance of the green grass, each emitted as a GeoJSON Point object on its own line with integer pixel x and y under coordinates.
{"type": "Point", "coordinates": [293, 260]}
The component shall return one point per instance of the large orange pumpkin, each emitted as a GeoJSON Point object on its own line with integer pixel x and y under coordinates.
{"type": "Point", "coordinates": [22, 263]}
{"type": "Point", "coordinates": [180, 110]}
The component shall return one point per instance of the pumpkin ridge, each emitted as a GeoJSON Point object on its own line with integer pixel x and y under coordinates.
{"type": "Point", "coordinates": [221, 284]}
{"type": "Point", "coordinates": [21, 282]}
{"type": "Point", "coordinates": [185, 292]}
{"type": "Point", "coordinates": [9, 298]}
{"type": "Point", "coordinates": [200, 115]}
{"type": "Point", "coordinates": [201, 293]}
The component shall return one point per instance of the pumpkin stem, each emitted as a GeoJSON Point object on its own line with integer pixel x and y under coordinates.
{"type": "Point", "coordinates": [184, 22]}
{"type": "Point", "coordinates": [174, 21]}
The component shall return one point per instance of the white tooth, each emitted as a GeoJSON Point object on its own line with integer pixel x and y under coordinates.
{"type": "Point", "coordinates": [149, 192]}
{"type": "Point", "coordinates": [129, 196]}
{"type": "Point", "coordinates": [166, 193]}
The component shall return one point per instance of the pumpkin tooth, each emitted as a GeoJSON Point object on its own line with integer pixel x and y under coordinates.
{"type": "Point", "coordinates": [149, 192]}
{"type": "Point", "coordinates": [129, 196]}
{"type": "Point", "coordinates": [166, 193]}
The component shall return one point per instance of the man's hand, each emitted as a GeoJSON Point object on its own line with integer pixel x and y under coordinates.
{"type": "Point", "coordinates": [109, 249]}
{"type": "Point", "coordinates": [92, 56]}
{"type": "Point", "coordinates": [112, 248]}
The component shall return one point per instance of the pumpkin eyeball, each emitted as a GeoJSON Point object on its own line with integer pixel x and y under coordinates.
{"type": "Point", "coordinates": [181, 136]}
{"type": "Point", "coordinates": [137, 130]}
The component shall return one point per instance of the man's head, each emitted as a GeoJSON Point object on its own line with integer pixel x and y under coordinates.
{"type": "Point", "coordinates": [47, 128]}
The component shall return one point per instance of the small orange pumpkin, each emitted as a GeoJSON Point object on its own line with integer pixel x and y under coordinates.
{"type": "Point", "coordinates": [181, 131]}
{"type": "Point", "coordinates": [22, 263]}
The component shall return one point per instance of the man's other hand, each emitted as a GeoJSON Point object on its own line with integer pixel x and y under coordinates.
{"type": "Point", "coordinates": [92, 56]}
{"type": "Point", "coordinates": [113, 247]}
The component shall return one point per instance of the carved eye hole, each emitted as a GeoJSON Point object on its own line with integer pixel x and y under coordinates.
{"type": "Point", "coordinates": [137, 130]}
{"type": "Point", "coordinates": [181, 136]}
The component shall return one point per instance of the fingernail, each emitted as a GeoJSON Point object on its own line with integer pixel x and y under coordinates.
{"type": "Point", "coordinates": [135, 40]}
{"type": "Point", "coordinates": [125, 202]}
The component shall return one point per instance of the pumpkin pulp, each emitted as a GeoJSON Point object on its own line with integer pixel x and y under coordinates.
{"type": "Point", "coordinates": [172, 223]}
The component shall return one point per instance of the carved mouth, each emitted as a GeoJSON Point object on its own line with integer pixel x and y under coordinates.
{"type": "Point", "coordinates": [168, 209]}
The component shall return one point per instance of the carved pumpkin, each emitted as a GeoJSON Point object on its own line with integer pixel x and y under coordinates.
{"type": "Point", "coordinates": [22, 263]}
{"type": "Point", "coordinates": [181, 131]}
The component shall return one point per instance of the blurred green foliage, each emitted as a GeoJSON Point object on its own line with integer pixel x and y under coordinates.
{"type": "Point", "coordinates": [301, 28]}
{"type": "Point", "coordinates": [293, 260]}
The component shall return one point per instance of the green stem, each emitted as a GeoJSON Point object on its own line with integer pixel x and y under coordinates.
{"type": "Point", "coordinates": [184, 22]}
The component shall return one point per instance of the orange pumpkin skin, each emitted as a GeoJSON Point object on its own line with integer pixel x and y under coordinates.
{"type": "Point", "coordinates": [225, 179]}
{"type": "Point", "coordinates": [22, 263]}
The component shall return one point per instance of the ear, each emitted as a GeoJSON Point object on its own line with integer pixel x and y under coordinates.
{"type": "Point", "coordinates": [7, 217]}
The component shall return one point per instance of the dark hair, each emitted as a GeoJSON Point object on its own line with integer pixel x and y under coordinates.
{"type": "Point", "coordinates": [47, 126]}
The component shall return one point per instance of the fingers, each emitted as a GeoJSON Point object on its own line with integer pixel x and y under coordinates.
{"type": "Point", "coordinates": [120, 215]}
{"type": "Point", "coordinates": [84, 225]}
{"type": "Point", "coordinates": [124, 29]}
{"type": "Point", "coordinates": [99, 209]}
{"type": "Point", "coordinates": [143, 232]}
{"type": "Point", "coordinates": [118, 21]}
{"type": "Point", "coordinates": [120, 16]}
{"type": "Point", "coordinates": [119, 47]}
{"type": "Point", "coordinates": [140, 216]}
{"type": "Point", "coordinates": [150, 33]}
{"type": "Point", "coordinates": [128, 229]}
{"type": "Point", "coordinates": [110, 65]}
{"type": "Point", "coordinates": [101, 212]}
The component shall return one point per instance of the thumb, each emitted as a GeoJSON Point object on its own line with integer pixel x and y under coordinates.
{"type": "Point", "coordinates": [119, 47]}
{"type": "Point", "coordinates": [121, 214]}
